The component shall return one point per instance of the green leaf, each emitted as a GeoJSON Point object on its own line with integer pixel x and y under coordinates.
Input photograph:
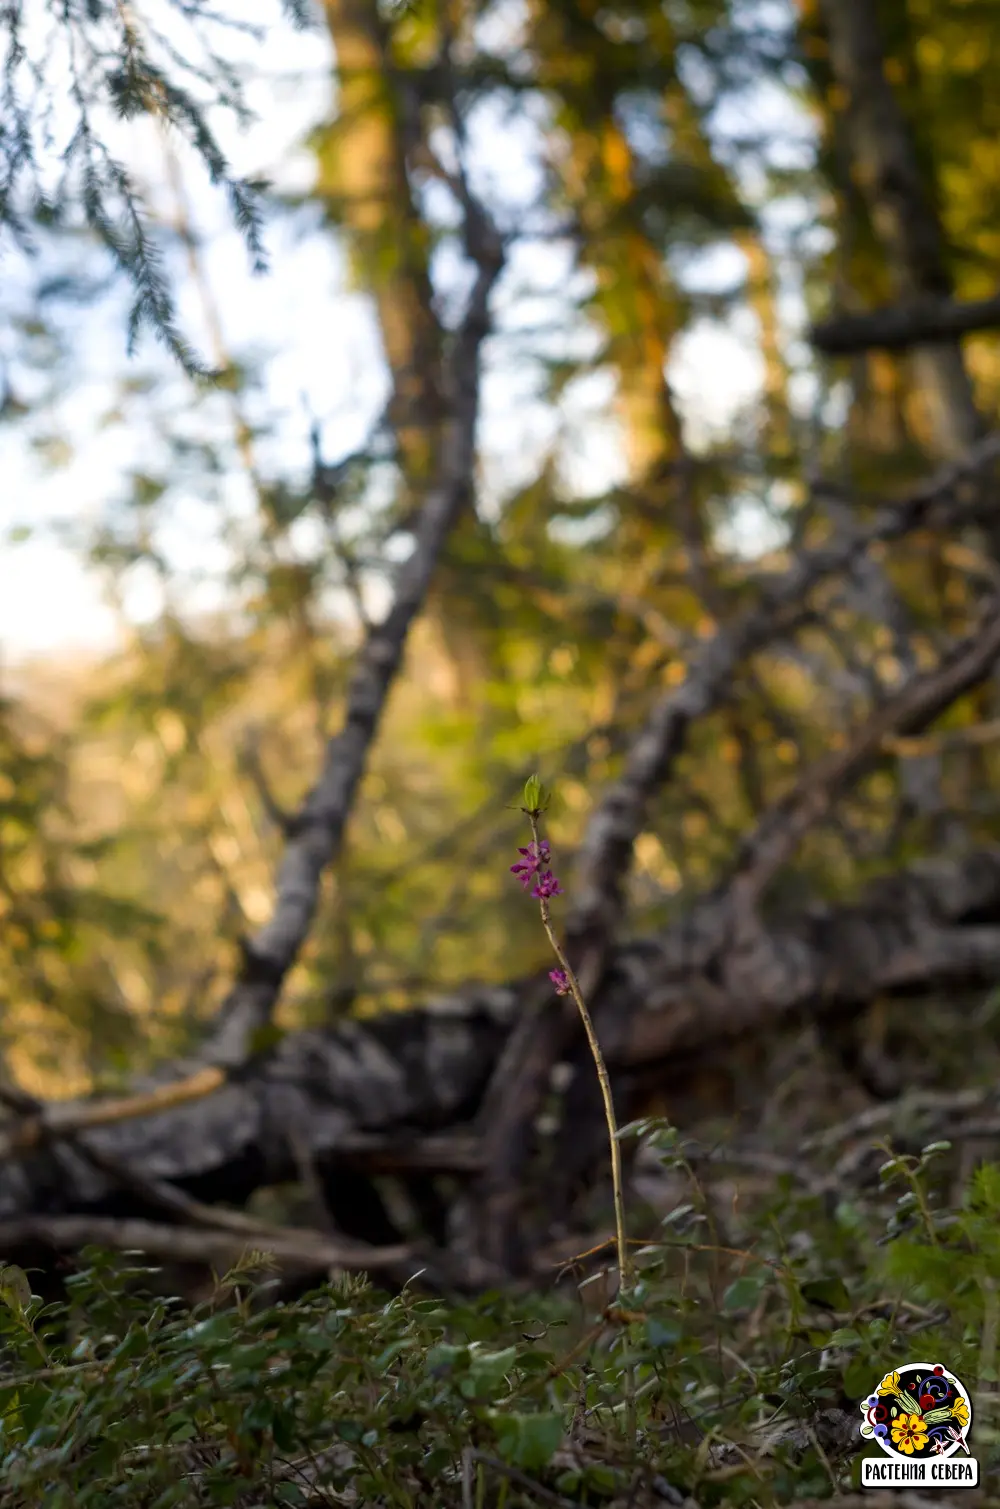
{"type": "Point", "coordinates": [178, 1426]}
{"type": "Point", "coordinates": [604, 1479]}
{"type": "Point", "coordinates": [844, 1336]}
{"type": "Point", "coordinates": [679, 1213]}
{"type": "Point", "coordinates": [662, 1333]}
{"type": "Point", "coordinates": [859, 1379]}
{"type": "Point", "coordinates": [444, 1359]}
{"type": "Point", "coordinates": [391, 1352]}
{"type": "Point", "coordinates": [259, 1415]}
{"type": "Point", "coordinates": [487, 1372]}
{"type": "Point", "coordinates": [743, 1294]}
{"type": "Point", "coordinates": [135, 1343]}
{"type": "Point", "coordinates": [528, 1441]}
{"type": "Point", "coordinates": [826, 1293]}
{"type": "Point", "coordinates": [284, 1429]}
{"type": "Point", "coordinates": [534, 1360]}
{"type": "Point", "coordinates": [437, 1460]}
{"type": "Point", "coordinates": [349, 1430]}
{"type": "Point", "coordinates": [569, 1482]}
{"type": "Point", "coordinates": [15, 1291]}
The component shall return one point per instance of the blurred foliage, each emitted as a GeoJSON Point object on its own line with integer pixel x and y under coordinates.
{"type": "Point", "coordinates": [70, 943]}
{"type": "Point", "coordinates": [667, 138]}
{"type": "Point", "coordinates": [752, 1340]}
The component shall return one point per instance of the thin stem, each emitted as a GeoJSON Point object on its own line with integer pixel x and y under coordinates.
{"type": "Point", "coordinates": [905, 1166]}
{"type": "Point", "coordinates": [617, 1180]}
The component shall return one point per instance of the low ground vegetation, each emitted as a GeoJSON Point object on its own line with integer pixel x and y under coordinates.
{"type": "Point", "coordinates": [745, 1365]}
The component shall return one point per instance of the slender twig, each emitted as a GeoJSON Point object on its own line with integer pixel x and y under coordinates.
{"type": "Point", "coordinates": [57, 1120]}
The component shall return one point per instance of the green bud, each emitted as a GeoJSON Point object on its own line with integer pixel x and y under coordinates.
{"type": "Point", "coordinates": [536, 798]}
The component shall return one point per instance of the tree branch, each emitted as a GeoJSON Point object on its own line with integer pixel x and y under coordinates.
{"type": "Point", "coordinates": [606, 853]}
{"type": "Point", "coordinates": [250, 763]}
{"type": "Point", "coordinates": [885, 166]}
{"type": "Point", "coordinates": [67, 1118]}
{"type": "Point", "coordinates": [316, 832]}
{"type": "Point", "coordinates": [899, 326]}
{"type": "Point", "coordinates": [548, 1027]}
{"type": "Point", "coordinates": [917, 703]}
{"type": "Point", "coordinates": [220, 1249]}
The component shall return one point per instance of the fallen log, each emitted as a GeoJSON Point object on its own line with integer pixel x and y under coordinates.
{"type": "Point", "coordinates": [401, 1094]}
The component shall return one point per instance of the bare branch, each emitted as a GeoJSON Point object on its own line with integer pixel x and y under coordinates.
{"type": "Point", "coordinates": [65, 1118]}
{"type": "Point", "coordinates": [940, 1103]}
{"type": "Point", "coordinates": [899, 326]}
{"type": "Point", "coordinates": [250, 761]}
{"type": "Point", "coordinates": [218, 1248]}
{"type": "Point", "coordinates": [606, 852]}
{"type": "Point", "coordinates": [918, 702]}
{"type": "Point", "coordinates": [548, 1026]}
{"type": "Point", "coordinates": [317, 830]}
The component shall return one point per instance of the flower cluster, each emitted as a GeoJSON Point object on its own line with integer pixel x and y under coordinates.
{"type": "Point", "coordinates": [529, 871]}
{"type": "Point", "coordinates": [545, 886]}
{"type": "Point", "coordinates": [560, 980]}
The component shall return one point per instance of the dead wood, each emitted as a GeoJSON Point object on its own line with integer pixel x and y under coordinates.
{"type": "Point", "coordinates": [401, 1092]}
{"type": "Point", "coordinates": [451, 1091]}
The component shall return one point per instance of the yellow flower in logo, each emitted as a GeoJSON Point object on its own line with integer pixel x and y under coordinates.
{"type": "Point", "coordinates": [891, 1385]}
{"type": "Point", "coordinates": [909, 1433]}
{"type": "Point", "coordinates": [960, 1411]}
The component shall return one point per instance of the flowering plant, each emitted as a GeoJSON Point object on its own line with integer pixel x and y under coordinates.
{"type": "Point", "coordinates": [534, 871]}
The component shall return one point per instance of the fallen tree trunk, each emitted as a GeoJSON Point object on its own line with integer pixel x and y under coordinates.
{"type": "Point", "coordinates": [400, 1094]}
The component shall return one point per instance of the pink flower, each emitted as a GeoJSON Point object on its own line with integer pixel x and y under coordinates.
{"type": "Point", "coordinates": [545, 886]}
{"type": "Point", "coordinates": [534, 856]}
{"type": "Point", "coordinates": [560, 980]}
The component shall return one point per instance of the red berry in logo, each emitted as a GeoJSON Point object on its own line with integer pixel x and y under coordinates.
{"type": "Point", "coordinates": [939, 1371]}
{"type": "Point", "coordinates": [926, 1401]}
